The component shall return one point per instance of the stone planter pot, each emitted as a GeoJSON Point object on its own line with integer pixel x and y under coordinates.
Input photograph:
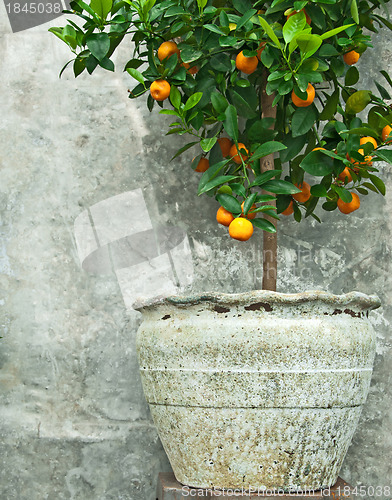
{"type": "Point", "coordinates": [257, 390]}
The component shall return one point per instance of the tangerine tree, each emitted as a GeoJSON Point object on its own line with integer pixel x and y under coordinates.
{"type": "Point", "coordinates": [267, 91]}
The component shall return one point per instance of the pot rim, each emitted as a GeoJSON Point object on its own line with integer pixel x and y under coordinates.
{"type": "Point", "coordinates": [356, 300]}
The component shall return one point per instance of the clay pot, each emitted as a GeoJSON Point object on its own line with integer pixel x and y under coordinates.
{"type": "Point", "coordinates": [260, 389]}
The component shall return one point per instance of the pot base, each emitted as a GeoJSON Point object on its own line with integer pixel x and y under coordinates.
{"type": "Point", "coordinates": [256, 448]}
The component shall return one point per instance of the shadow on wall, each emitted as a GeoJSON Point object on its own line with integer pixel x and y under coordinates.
{"type": "Point", "coordinates": [149, 262]}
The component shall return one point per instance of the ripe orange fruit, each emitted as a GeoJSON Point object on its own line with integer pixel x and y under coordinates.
{"type": "Point", "coordinates": [241, 229]}
{"type": "Point", "coordinates": [347, 208]}
{"type": "Point", "coordinates": [260, 49]}
{"type": "Point", "coordinates": [248, 215]}
{"type": "Point", "coordinates": [236, 155]}
{"type": "Point", "coordinates": [224, 217]}
{"type": "Point", "coordinates": [167, 49]}
{"type": "Point", "coordinates": [368, 159]}
{"type": "Point", "coordinates": [317, 149]}
{"type": "Point", "coordinates": [346, 173]}
{"type": "Point", "coordinates": [289, 210]}
{"type": "Point", "coordinates": [203, 165]}
{"type": "Point", "coordinates": [365, 140]}
{"type": "Point", "coordinates": [246, 64]}
{"type": "Point", "coordinates": [308, 18]}
{"type": "Point", "coordinates": [385, 133]}
{"type": "Point", "coordinates": [160, 90]}
{"type": "Point", "coordinates": [301, 103]}
{"type": "Point", "coordinates": [225, 145]}
{"type": "Point", "coordinates": [191, 70]}
{"type": "Point", "coordinates": [304, 195]}
{"type": "Point", "coordinates": [351, 57]}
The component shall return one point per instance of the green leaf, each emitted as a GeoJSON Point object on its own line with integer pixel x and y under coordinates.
{"type": "Point", "coordinates": [317, 163]}
{"type": "Point", "coordinates": [245, 18]}
{"type": "Point", "coordinates": [280, 187]}
{"type": "Point", "coordinates": [207, 144]}
{"type": "Point", "coordinates": [221, 179]}
{"type": "Point", "coordinates": [184, 148]}
{"type": "Point", "coordinates": [98, 44]}
{"type": "Point", "coordinates": [265, 225]}
{"type": "Point", "coordinates": [107, 64]}
{"type": "Point", "coordinates": [330, 106]}
{"type": "Point", "coordinates": [230, 122]}
{"type": "Point", "coordinates": [230, 203]}
{"type": "Point", "coordinates": [363, 131]}
{"type": "Point", "coordinates": [193, 100]}
{"type": "Point", "coordinates": [175, 97]}
{"type": "Point", "coordinates": [214, 29]}
{"type": "Point", "coordinates": [249, 201]}
{"type": "Point", "coordinates": [294, 146]}
{"type": "Point", "coordinates": [343, 193]}
{"type": "Point", "coordinates": [270, 32]}
{"type": "Point", "coordinates": [219, 102]}
{"type": "Point", "coordinates": [378, 183]}
{"type": "Point", "coordinates": [136, 75]}
{"type": "Point", "coordinates": [238, 189]}
{"type": "Point", "coordinates": [309, 44]}
{"type": "Point", "coordinates": [335, 31]}
{"type": "Point", "coordinates": [243, 108]}
{"type": "Point", "coordinates": [303, 120]}
{"type": "Point", "coordinates": [221, 62]}
{"type": "Point", "coordinates": [384, 155]}
{"type": "Point", "coordinates": [264, 177]}
{"type": "Point", "coordinates": [387, 77]}
{"type": "Point", "coordinates": [328, 50]}
{"type": "Point", "coordinates": [101, 8]}
{"type": "Point", "coordinates": [267, 148]}
{"type": "Point", "coordinates": [354, 11]}
{"type": "Point", "coordinates": [318, 190]}
{"type": "Point", "coordinates": [352, 76]}
{"type": "Point", "coordinates": [293, 26]}
{"type": "Point", "coordinates": [358, 101]}
{"type": "Point", "coordinates": [383, 91]}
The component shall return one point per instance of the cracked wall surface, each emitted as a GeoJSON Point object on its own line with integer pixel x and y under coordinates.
{"type": "Point", "coordinates": [73, 420]}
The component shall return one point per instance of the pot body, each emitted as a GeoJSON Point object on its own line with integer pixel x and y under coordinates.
{"type": "Point", "coordinates": [257, 390]}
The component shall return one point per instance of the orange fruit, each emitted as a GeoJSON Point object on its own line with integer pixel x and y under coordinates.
{"type": "Point", "coordinates": [225, 145]}
{"type": "Point", "coordinates": [346, 173]}
{"type": "Point", "coordinates": [224, 217]}
{"type": "Point", "coordinates": [347, 208]}
{"type": "Point", "coordinates": [289, 210]}
{"type": "Point", "coordinates": [368, 159]}
{"type": "Point", "coordinates": [351, 57]}
{"type": "Point", "coordinates": [248, 215]}
{"type": "Point", "coordinates": [308, 18]}
{"type": "Point", "coordinates": [301, 103]}
{"type": "Point", "coordinates": [191, 70]}
{"type": "Point", "coordinates": [236, 155]}
{"type": "Point", "coordinates": [203, 165]}
{"type": "Point", "coordinates": [365, 140]}
{"type": "Point", "coordinates": [160, 90]}
{"type": "Point", "coordinates": [305, 193]}
{"type": "Point", "coordinates": [317, 149]}
{"type": "Point", "coordinates": [241, 229]}
{"type": "Point", "coordinates": [260, 49]}
{"type": "Point", "coordinates": [385, 133]}
{"type": "Point", "coordinates": [246, 64]}
{"type": "Point", "coordinates": [167, 49]}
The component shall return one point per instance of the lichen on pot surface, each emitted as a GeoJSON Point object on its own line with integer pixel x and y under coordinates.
{"type": "Point", "coordinates": [260, 389]}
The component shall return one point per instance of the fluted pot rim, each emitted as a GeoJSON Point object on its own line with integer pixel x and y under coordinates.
{"type": "Point", "coordinates": [353, 300]}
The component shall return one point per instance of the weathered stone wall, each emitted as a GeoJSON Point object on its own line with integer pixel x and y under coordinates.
{"type": "Point", "coordinates": [73, 421]}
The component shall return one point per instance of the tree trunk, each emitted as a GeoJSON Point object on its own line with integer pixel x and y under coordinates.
{"type": "Point", "coordinates": [270, 240]}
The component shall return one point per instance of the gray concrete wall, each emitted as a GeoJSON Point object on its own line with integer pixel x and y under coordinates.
{"type": "Point", "coordinates": [73, 421]}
